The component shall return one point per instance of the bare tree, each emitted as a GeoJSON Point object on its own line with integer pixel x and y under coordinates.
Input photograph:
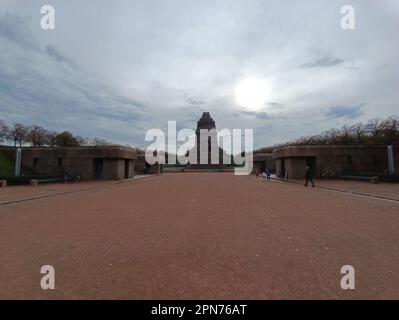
{"type": "Point", "coordinates": [358, 132]}
{"type": "Point", "coordinates": [18, 134]}
{"type": "Point", "coordinates": [82, 141]}
{"type": "Point", "coordinates": [51, 138]}
{"type": "Point", "coordinates": [4, 131]}
{"type": "Point", "coordinates": [100, 142]}
{"type": "Point", "coordinates": [345, 135]}
{"type": "Point", "coordinates": [331, 136]}
{"type": "Point", "coordinates": [389, 130]}
{"type": "Point", "coordinates": [373, 130]}
{"type": "Point", "coordinates": [37, 136]}
{"type": "Point", "coordinates": [376, 131]}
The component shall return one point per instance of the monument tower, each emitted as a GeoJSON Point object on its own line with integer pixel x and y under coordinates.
{"type": "Point", "coordinates": [207, 123]}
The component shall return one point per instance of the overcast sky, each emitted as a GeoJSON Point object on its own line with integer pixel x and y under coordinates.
{"type": "Point", "coordinates": [114, 69]}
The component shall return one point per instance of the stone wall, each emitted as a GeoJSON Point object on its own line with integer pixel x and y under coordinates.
{"type": "Point", "coordinates": [262, 161]}
{"type": "Point", "coordinates": [78, 161]}
{"type": "Point", "coordinates": [140, 164]}
{"type": "Point", "coordinates": [396, 158]}
{"type": "Point", "coordinates": [343, 160]}
{"type": "Point", "coordinates": [142, 167]}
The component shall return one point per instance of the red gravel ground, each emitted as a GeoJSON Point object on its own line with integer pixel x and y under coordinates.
{"type": "Point", "coordinates": [200, 236]}
{"type": "Point", "coordinates": [381, 189]}
{"type": "Point", "coordinates": [12, 193]}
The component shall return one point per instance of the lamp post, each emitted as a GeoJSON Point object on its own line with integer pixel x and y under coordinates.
{"type": "Point", "coordinates": [18, 162]}
{"type": "Point", "coordinates": [391, 165]}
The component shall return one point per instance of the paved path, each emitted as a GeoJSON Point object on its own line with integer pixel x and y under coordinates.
{"type": "Point", "coordinates": [381, 190]}
{"type": "Point", "coordinates": [12, 194]}
{"type": "Point", "coordinates": [200, 236]}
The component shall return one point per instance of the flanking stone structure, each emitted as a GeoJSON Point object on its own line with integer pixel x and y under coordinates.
{"type": "Point", "coordinates": [396, 159]}
{"type": "Point", "coordinates": [262, 161]}
{"type": "Point", "coordinates": [348, 160]}
{"type": "Point", "coordinates": [114, 163]}
{"type": "Point", "coordinates": [142, 167]}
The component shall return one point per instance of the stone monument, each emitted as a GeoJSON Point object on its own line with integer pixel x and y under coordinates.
{"type": "Point", "coordinates": [207, 124]}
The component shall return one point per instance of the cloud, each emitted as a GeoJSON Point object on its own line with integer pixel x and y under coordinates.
{"type": "Point", "coordinates": [259, 115]}
{"type": "Point", "coordinates": [192, 100]}
{"type": "Point", "coordinates": [195, 102]}
{"type": "Point", "coordinates": [276, 104]}
{"type": "Point", "coordinates": [15, 28]}
{"type": "Point", "coordinates": [116, 75]}
{"type": "Point", "coordinates": [323, 62]}
{"type": "Point", "coordinates": [38, 87]}
{"type": "Point", "coordinates": [348, 112]}
{"type": "Point", "coordinates": [53, 52]}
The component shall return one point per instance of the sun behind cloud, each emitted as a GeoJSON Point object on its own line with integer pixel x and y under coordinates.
{"type": "Point", "coordinates": [252, 93]}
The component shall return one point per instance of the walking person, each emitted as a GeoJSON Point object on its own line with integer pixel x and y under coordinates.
{"type": "Point", "coordinates": [309, 175]}
{"type": "Point", "coordinates": [264, 175]}
{"type": "Point", "coordinates": [268, 173]}
{"type": "Point", "coordinates": [257, 172]}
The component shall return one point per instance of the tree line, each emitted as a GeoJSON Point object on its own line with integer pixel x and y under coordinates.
{"type": "Point", "coordinates": [374, 132]}
{"type": "Point", "coordinates": [19, 134]}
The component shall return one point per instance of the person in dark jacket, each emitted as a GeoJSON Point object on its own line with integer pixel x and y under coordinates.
{"type": "Point", "coordinates": [268, 173]}
{"type": "Point", "coordinates": [309, 175]}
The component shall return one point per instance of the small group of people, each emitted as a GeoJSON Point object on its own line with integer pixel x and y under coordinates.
{"type": "Point", "coordinates": [266, 174]}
